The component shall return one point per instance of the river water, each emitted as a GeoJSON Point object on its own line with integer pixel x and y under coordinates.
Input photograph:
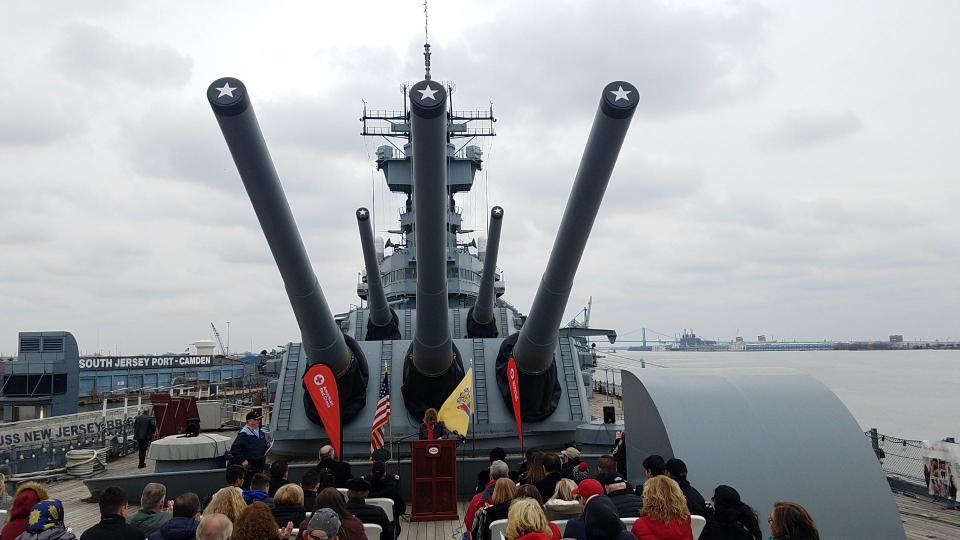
{"type": "Point", "coordinates": [907, 394]}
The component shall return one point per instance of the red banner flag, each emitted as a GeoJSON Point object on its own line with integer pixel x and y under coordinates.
{"type": "Point", "coordinates": [514, 383]}
{"type": "Point", "coordinates": [322, 387]}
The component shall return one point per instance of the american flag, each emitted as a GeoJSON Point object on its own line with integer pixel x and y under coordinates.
{"type": "Point", "coordinates": [382, 416]}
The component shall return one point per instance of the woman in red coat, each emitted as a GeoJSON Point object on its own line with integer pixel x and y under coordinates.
{"type": "Point", "coordinates": [26, 496]}
{"type": "Point", "coordinates": [664, 515]}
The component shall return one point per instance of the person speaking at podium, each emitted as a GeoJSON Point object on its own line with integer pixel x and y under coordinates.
{"type": "Point", "coordinates": [431, 428]}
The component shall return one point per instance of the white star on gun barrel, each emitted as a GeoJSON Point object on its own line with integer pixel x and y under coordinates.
{"type": "Point", "coordinates": [225, 90]}
{"type": "Point", "coordinates": [621, 94]}
{"type": "Point", "coordinates": [427, 93]}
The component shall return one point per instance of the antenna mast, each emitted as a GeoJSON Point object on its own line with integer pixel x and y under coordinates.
{"type": "Point", "coordinates": [426, 42]}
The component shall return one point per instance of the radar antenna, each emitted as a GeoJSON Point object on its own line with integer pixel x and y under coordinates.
{"type": "Point", "coordinates": [426, 42]}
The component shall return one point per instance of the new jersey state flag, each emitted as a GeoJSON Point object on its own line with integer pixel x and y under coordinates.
{"type": "Point", "coordinates": [458, 408]}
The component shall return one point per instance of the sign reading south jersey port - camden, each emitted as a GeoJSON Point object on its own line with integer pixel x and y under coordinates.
{"type": "Point", "coordinates": [128, 362]}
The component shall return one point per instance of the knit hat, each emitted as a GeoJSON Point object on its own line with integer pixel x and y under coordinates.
{"type": "Point", "coordinates": [581, 472]}
{"type": "Point", "coordinates": [606, 479]}
{"type": "Point", "coordinates": [588, 488]}
{"type": "Point", "coordinates": [45, 515]}
{"type": "Point", "coordinates": [326, 520]}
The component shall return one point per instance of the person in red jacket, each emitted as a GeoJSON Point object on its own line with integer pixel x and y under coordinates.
{"type": "Point", "coordinates": [498, 470]}
{"type": "Point", "coordinates": [26, 496]}
{"type": "Point", "coordinates": [664, 515]}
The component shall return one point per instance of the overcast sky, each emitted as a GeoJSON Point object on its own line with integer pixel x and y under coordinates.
{"type": "Point", "coordinates": [792, 169]}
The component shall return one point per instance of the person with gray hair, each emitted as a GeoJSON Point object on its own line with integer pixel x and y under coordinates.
{"type": "Point", "coordinates": [324, 525]}
{"type": "Point", "coordinates": [214, 527]}
{"type": "Point", "coordinates": [498, 469]}
{"type": "Point", "coordinates": [340, 469]}
{"type": "Point", "coordinates": [151, 516]}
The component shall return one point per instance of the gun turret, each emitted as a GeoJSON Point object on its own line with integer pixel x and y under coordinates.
{"type": "Point", "coordinates": [382, 323]}
{"type": "Point", "coordinates": [436, 366]}
{"type": "Point", "coordinates": [322, 339]}
{"type": "Point", "coordinates": [481, 323]}
{"type": "Point", "coordinates": [537, 340]}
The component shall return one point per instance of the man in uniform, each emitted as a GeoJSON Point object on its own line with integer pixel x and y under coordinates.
{"type": "Point", "coordinates": [250, 447]}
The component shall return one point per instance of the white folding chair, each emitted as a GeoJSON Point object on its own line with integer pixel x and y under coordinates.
{"type": "Point", "coordinates": [561, 524]}
{"type": "Point", "coordinates": [372, 531]}
{"type": "Point", "coordinates": [628, 522]}
{"type": "Point", "coordinates": [497, 528]}
{"type": "Point", "coordinates": [697, 523]}
{"type": "Point", "coordinates": [382, 502]}
{"type": "Point", "coordinates": [343, 491]}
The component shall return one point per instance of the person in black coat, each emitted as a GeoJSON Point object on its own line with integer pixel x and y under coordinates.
{"type": "Point", "coordinates": [431, 428]}
{"type": "Point", "coordinates": [278, 476]}
{"type": "Point", "coordinates": [551, 466]}
{"type": "Point", "coordinates": [340, 469]}
{"type": "Point", "coordinates": [113, 524]}
{"type": "Point", "coordinates": [627, 503]}
{"type": "Point", "coordinates": [731, 518]}
{"type": "Point", "coordinates": [385, 487]}
{"type": "Point", "coordinates": [288, 505]}
{"type": "Point", "coordinates": [677, 470]}
{"type": "Point", "coordinates": [308, 484]}
{"type": "Point", "coordinates": [358, 490]}
{"type": "Point", "coordinates": [144, 426]}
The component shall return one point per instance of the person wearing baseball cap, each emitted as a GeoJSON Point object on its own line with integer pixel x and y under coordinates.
{"type": "Point", "coordinates": [621, 493]}
{"type": "Point", "coordinates": [587, 491]}
{"type": "Point", "coordinates": [571, 460]}
{"type": "Point", "coordinates": [250, 447]}
{"type": "Point", "coordinates": [324, 525]}
{"type": "Point", "coordinates": [677, 470]}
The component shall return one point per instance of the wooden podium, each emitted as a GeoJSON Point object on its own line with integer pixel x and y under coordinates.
{"type": "Point", "coordinates": [433, 470]}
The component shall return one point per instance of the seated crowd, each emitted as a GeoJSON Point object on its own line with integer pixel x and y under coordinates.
{"type": "Point", "coordinates": [547, 488]}
{"type": "Point", "coordinates": [559, 488]}
{"type": "Point", "coordinates": [270, 508]}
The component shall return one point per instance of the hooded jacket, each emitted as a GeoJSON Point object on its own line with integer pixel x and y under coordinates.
{"type": "Point", "coordinates": [57, 533]}
{"type": "Point", "coordinates": [26, 496]}
{"type": "Point", "coordinates": [178, 528]}
{"type": "Point", "coordinates": [560, 509]}
{"type": "Point", "coordinates": [602, 522]}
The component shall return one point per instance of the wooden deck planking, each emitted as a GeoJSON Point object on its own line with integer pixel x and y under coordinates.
{"type": "Point", "coordinates": [924, 520]}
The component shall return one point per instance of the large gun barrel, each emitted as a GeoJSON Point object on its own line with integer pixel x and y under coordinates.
{"type": "Point", "coordinates": [482, 313]}
{"type": "Point", "coordinates": [432, 346]}
{"type": "Point", "coordinates": [322, 339]}
{"type": "Point", "coordinates": [538, 337]}
{"type": "Point", "coordinates": [376, 300]}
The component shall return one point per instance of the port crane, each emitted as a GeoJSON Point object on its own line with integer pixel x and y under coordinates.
{"type": "Point", "coordinates": [216, 334]}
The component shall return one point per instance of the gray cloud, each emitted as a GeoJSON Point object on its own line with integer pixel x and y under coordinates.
{"type": "Point", "coordinates": [801, 129]}
{"type": "Point", "coordinates": [90, 53]}
{"type": "Point", "coordinates": [128, 225]}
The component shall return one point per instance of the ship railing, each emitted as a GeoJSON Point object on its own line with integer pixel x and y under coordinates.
{"type": "Point", "coordinates": [906, 465]}
{"type": "Point", "coordinates": [43, 444]}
